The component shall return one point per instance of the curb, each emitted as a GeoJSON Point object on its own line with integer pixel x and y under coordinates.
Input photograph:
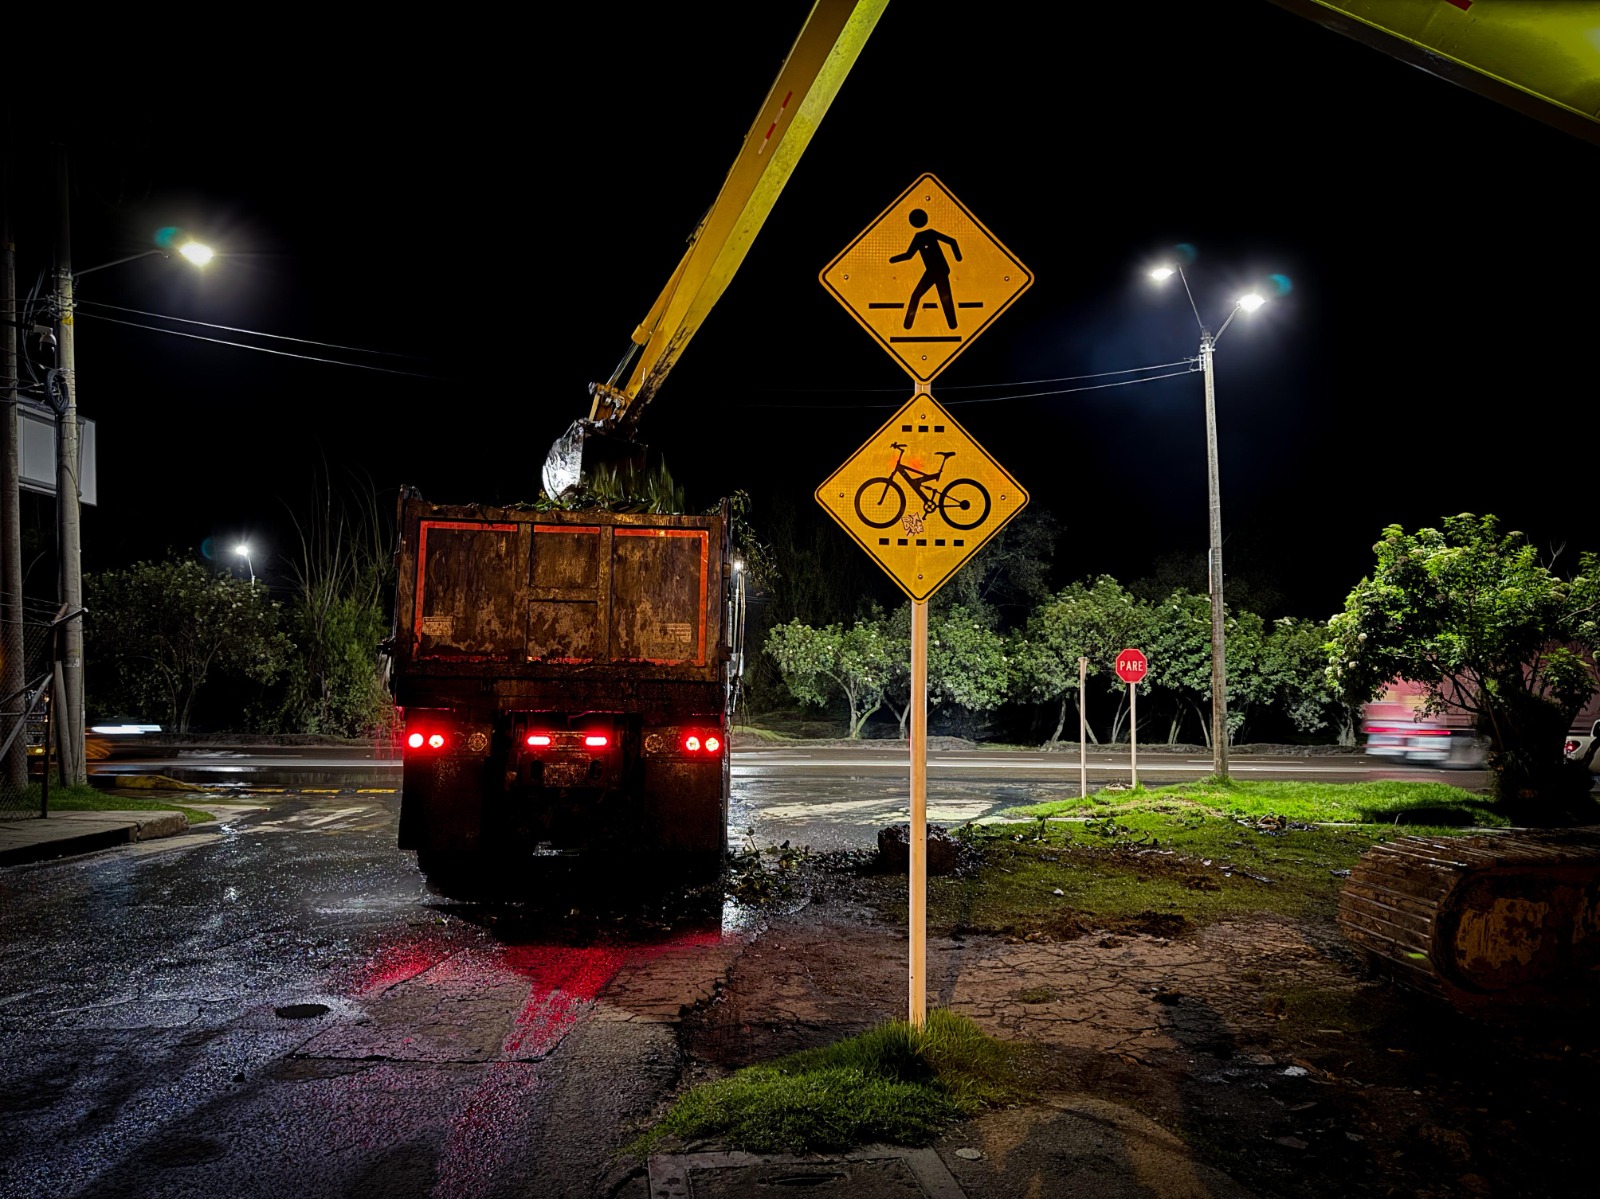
{"type": "Point", "coordinates": [71, 833]}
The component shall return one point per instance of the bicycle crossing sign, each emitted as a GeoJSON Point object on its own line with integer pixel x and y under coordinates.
{"type": "Point", "coordinates": [921, 497]}
{"type": "Point", "coordinates": [926, 278]}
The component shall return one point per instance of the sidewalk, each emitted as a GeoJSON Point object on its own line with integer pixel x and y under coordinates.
{"type": "Point", "coordinates": [36, 839]}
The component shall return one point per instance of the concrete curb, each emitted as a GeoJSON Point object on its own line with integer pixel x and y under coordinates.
{"type": "Point", "coordinates": [66, 833]}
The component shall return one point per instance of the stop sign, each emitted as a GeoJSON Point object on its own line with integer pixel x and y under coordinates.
{"type": "Point", "coordinates": [1131, 665]}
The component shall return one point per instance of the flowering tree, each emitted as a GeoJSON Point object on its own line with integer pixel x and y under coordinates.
{"type": "Point", "coordinates": [817, 663]}
{"type": "Point", "coordinates": [1094, 620]}
{"type": "Point", "coordinates": [1470, 614]}
{"type": "Point", "coordinates": [157, 631]}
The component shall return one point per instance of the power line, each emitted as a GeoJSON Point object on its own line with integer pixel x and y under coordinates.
{"type": "Point", "coordinates": [306, 341]}
{"type": "Point", "coordinates": [1031, 395]}
{"type": "Point", "coordinates": [239, 345]}
{"type": "Point", "coordinates": [975, 386]}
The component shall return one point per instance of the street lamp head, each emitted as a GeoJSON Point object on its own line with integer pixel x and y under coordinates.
{"type": "Point", "coordinates": [242, 549]}
{"type": "Point", "coordinates": [1252, 301]}
{"type": "Point", "coordinates": [197, 253]}
{"type": "Point", "coordinates": [1162, 273]}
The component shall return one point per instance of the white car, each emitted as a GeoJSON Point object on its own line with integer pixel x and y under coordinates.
{"type": "Point", "coordinates": [1578, 745]}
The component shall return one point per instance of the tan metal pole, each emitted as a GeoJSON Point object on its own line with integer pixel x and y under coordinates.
{"type": "Point", "coordinates": [919, 813]}
{"type": "Point", "coordinates": [1133, 731]}
{"type": "Point", "coordinates": [1083, 728]}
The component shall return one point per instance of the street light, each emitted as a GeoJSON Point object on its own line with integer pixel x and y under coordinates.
{"type": "Point", "coordinates": [1219, 676]}
{"type": "Point", "coordinates": [63, 393]}
{"type": "Point", "coordinates": [243, 550]}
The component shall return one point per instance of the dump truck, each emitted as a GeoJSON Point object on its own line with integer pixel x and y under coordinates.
{"type": "Point", "coordinates": [566, 681]}
{"type": "Point", "coordinates": [566, 672]}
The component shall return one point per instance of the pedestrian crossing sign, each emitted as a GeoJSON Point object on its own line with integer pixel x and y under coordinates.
{"type": "Point", "coordinates": [925, 278]}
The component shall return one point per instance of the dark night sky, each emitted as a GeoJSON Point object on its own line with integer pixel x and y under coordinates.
{"type": "Point", "coordinates": [506, 206]}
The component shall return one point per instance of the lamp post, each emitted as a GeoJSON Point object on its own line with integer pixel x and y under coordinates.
{"type": "Point", "coordinates": [69, 544]}
{"type": "Point", "coordinates": [1219, 674]}
{"type": "Point", "coordinates": [243, 550]}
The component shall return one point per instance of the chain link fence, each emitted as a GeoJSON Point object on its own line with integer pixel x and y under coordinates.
{"type": "Point", "coordinates": [24, 712]}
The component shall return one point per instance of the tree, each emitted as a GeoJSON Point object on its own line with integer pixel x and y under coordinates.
{"type": "Point", "coordinates": [817, 662]}
{"type": "Point", "coordinates": [1093, 620]}
{"type": "Point", "coordinates": [1471, 615]}
{"type": "Point", "coordinates": [1294, 661]}
{"type": "Point", "coordinates": [1178, 643]}
{"type": "Point", "coordinates": [160, 630]}
{"type": "Point", "coordinates": [968, 666]}
{"type": "Point", "coordinates": [1010, 574]}
{"type": "Point", "coordinates": [342, 576]}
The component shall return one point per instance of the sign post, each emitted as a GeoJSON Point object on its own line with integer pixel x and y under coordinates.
{"type": "Point", "coordinates": [1083, 728]}
{"type": "Point", "coordinates": [1131, 665]}
{"type": "Point", "coordinates": [921, 496]}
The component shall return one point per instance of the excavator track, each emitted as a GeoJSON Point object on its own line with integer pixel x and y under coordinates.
{"type": "Point", "coordinates": [1487, 923]}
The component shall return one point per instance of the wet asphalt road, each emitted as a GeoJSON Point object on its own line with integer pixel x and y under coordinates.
{"type": "Point", "coordinates": [826, 797]}
{"type": "Point", "coordinates": [277, 1005]}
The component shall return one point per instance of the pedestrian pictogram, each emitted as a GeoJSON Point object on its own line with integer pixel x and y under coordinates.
{"type": "Point", "coordinates": [926, 278]}
{"type": "Point", "coordinates": [1131, 665]}
{"type": "Point", "coordinates": [921, 496]}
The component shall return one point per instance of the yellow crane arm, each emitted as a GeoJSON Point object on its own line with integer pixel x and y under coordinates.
{"type": "Point", "coordinates": [811, 76]}
{"type": "Point", "coordinates": [1541, 57]}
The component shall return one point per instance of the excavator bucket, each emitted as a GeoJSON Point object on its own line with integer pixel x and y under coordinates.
{"type": "Point", "coordinates": [584, 451]}
{"type": "Point", "coordinates": [1490, 924]}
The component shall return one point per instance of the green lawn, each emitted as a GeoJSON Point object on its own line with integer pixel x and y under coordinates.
{"type": "Point", "coordinates": [893, 1083]}
{"type": "Point", "coordinates": [94, 799]}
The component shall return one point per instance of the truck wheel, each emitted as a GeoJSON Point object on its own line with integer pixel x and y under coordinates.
{"type": "Point", "coordinates": [456, 874]}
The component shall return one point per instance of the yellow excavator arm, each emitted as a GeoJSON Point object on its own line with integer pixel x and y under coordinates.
{"type": "Point", "coordinates": [811, 76]}
{"type": "Point", "coordinates": [1541, 57]}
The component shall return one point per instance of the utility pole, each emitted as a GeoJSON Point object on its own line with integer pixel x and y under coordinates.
{"type": "Point", "coordinates": [1219, 679]}
{"type": "Point", "coordinates": [13, 669]}
{"type": "Point", "coordinates": [69, 544]}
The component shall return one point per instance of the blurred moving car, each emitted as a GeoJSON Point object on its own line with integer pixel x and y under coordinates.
{"type": "Point", "coordinates": [1397, 727]}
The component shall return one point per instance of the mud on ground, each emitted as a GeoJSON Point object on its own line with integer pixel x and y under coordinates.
{"type": "Point", "coordinates": [1260, 1042]}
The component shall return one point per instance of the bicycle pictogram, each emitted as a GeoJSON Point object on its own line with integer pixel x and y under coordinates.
{"type": "Point", "coordinates": [880, 501]}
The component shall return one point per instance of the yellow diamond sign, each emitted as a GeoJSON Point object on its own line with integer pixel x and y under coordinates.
{"type": "Point", "coordinates": [926, 278]}
{"type": "Point", "coordinates": [921, 497]}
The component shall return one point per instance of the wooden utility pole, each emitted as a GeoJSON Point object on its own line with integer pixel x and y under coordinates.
{"type": "Point", "coordinates": [69, 542]}
{"type": "Point", "coordinates": [13, 669]}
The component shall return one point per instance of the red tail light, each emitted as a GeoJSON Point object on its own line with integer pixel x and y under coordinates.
{"type": "Point", "coordinates": [415, 741]}
{"type": "Point", "coordinates": [702, 743]}
{"type": "Point", "coordinates": [436, 741]}
{"type": "Point", "coordinates": [1572, 746]}
{"type": "Point", "coordinates": [712, 745]}
{"type": "Point", "coordinates": [538, 738]}
{"type": "Point", "coordinates": [691, 742]}
{"type": "Point", "coordinates": [596, 741]}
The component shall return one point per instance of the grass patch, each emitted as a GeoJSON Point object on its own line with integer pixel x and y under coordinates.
{"type": "Point", "coordinates": [1160, 868]}
{"type": "Point", "coordinates": [1385, 801]}
{"type": "Point", "coordinates": [92, 799]}
{"type": "Point", "coordinates": [894, 1084]}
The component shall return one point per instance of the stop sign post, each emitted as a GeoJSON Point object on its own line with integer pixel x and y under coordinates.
{"type": "Point", "coordinates": [1131, 665]}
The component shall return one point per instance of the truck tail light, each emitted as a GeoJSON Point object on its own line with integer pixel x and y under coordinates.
{"type": "Point", "coordinates": [538, 739]}
{"type": "Point", "coordinates": [597, 741]}
{"type": "Point", "coordinates": [419, 740]}
{"type": "Point", "coordinates": [702, 743]}
{"type": "Point", "coordinates": [712, 745]}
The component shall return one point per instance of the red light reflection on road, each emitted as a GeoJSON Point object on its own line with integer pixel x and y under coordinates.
{"type": "Point", "coordinates": [563, 979]}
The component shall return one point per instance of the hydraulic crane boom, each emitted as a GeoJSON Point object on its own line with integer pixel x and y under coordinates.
{"type": "Point", "coordinates": [811, 76]}
{"type": "Point", "coordinates": [1540, 57]}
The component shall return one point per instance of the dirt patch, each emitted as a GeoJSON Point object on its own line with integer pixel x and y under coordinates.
{"type": "Point", "coordinates": [1258, 1041]}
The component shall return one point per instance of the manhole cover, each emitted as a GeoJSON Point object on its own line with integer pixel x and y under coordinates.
{"type": "Point", "coordinates": [301, 1011]}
